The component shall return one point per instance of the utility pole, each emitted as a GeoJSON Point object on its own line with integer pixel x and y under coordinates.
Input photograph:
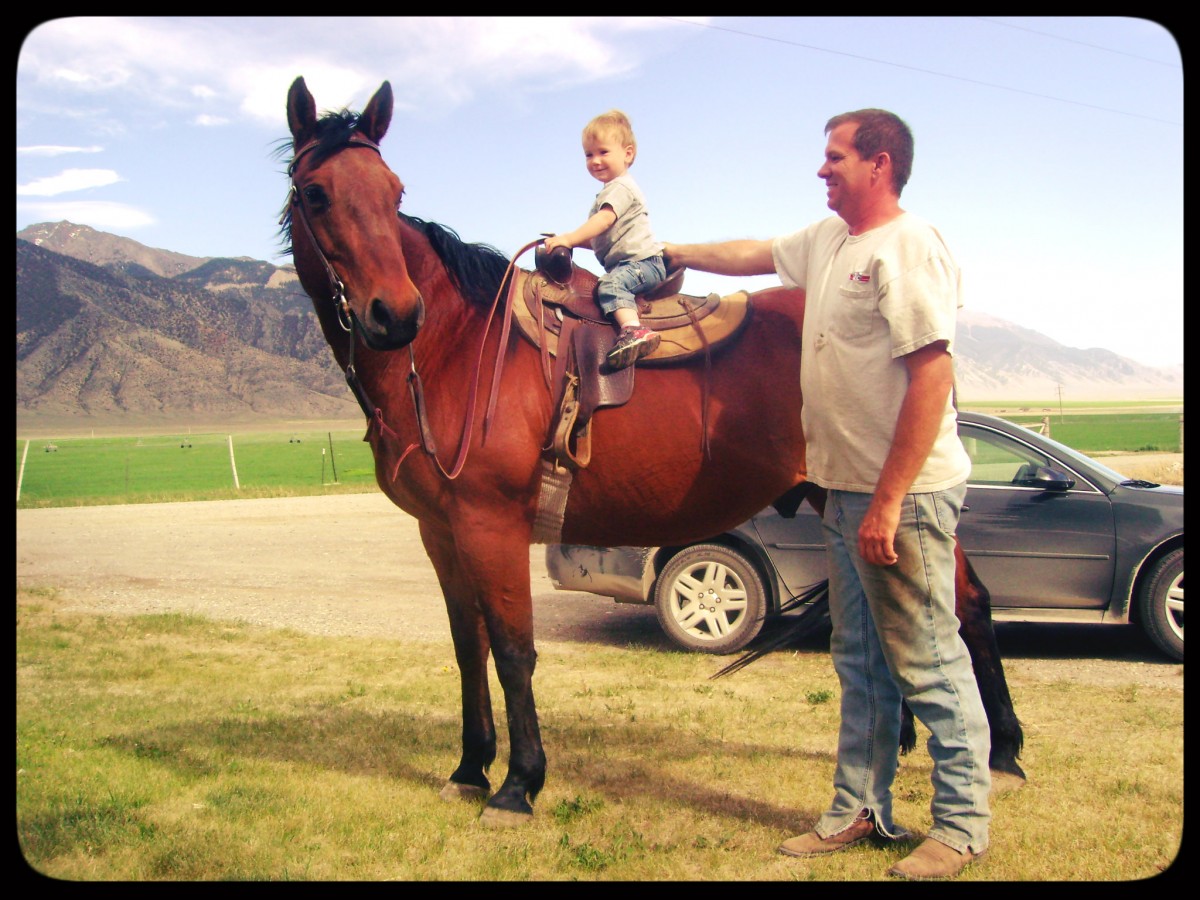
{"type": "Point", "coordinates": [1060, 406]}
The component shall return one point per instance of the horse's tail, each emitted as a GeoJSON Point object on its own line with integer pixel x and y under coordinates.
{"type": "Point", "coordinates": [817, 614]}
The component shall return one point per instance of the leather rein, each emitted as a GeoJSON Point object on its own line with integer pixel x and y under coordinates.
{"type": "Point", "coordinates": [347, 320]}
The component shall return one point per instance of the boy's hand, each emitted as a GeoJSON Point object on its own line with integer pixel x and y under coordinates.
{"type": "Point", "coordinates": [555, 240]}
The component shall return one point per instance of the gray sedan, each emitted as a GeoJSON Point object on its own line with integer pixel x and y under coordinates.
{"type": "Point", "coordinates": [1054, 535]}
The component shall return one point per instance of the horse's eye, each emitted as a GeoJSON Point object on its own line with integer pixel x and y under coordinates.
{"type": "Point", "coordinates": [316, 197]}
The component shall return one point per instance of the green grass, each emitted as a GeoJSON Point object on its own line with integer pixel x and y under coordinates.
{"type": "Point", "coordinates": [1102, 432]}
{"type": "Point", "coordinates": [1068, 406]}
{"type": "Point", "coordinates": [79, 471]}
{"type": "Point", "coordinates": [178, 748]}
{"type": "Point", "coordinates": [156, 468]}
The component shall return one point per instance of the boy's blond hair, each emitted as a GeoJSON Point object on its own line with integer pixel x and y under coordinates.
{"type": "Point", "coordinates": [613, 123]}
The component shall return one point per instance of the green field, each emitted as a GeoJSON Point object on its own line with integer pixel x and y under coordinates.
{"type": "Point", "coordinates": [154, 468]}
{"type": "Point", "coordinates": [159, 468]}
{"type": "Point", "coordinates": [1106, 432]}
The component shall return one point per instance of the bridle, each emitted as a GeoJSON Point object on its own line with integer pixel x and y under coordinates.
{"type": "Point", "coordinates": [337, 290]}
{"type": "Point", "coordinates": [341, 305]}
{"type": "Point", "coordinates": [345, 317]}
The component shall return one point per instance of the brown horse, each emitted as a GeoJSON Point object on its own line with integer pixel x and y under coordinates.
{"type": "Point", "coordinates": [382, 281]}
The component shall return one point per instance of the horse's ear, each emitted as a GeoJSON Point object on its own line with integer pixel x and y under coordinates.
{"type": "Point", "coordinates": [374, 120]}
{"type": "Point", "coordinates": [301, 113]}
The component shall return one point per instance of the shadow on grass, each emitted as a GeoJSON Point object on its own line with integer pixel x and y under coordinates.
{"type": "Point", "coordinates": [381, 744]}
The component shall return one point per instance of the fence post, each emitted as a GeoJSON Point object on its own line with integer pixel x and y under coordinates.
{"type": "Point", "coordinates": [1046, 426]}
{"type": "Point", "coordinates": [233, 465]}
{"type": "Point", "coordinates": [25, 453]}
{"type": "Point", "coordinates": [332, 461]}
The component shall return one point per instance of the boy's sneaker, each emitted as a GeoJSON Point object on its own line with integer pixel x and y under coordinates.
{"type": "Point", "coordinates": [634, 342]}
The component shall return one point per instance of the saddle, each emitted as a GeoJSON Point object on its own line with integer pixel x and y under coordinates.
{"type": "Point", "coordinates": [556, 311]}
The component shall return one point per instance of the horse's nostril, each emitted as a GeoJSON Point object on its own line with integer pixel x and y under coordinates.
{"type": "Point", "coordinates": [380, 314]}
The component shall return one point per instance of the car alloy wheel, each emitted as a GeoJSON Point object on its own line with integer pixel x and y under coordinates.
{"type": "Point", "coordinates": [710, 598]}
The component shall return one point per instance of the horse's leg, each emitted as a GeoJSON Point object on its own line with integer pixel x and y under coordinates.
{"type": "Point", "coordinates": [973, 606]}
{"type": "Point", "coordinates": [471, 647]}
{"type": "Point", "coordinates": [494, 555]}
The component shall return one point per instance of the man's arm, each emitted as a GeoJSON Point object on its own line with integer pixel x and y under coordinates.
{"type": "Point", "coordinates": [930, 380]}
{"type": "Point", "coordinates": [744, 257]}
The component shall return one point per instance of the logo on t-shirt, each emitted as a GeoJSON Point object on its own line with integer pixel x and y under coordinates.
{"type": "Point", "coordinates": [860, 278]}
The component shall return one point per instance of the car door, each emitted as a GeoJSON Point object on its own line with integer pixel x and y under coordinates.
{"type": "Point", "coordinates": [795, 547]}
{"type": "Point", "coordinates": [1034, 546]}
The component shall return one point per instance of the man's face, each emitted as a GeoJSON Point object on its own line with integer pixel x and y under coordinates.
{"type": "Point", "coordinates": [847, 176]}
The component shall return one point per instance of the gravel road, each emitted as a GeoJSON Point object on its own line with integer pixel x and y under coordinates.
{"type": "Point", "coordinates": [335, 565]}
{"type": "Point", "coordinates": [354, 565]}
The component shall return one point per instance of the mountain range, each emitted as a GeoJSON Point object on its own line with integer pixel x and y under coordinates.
{"type": "Point", "coordinates": [112, 332]}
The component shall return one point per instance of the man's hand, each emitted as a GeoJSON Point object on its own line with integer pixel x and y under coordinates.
{"type": "Point", "coordinates": [668, 264]}
{"type": "Point", "coordinates": [877, 533]}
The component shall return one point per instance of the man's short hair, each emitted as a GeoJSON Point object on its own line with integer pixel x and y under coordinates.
{"type": "Point", "coordinates": [880, 131]}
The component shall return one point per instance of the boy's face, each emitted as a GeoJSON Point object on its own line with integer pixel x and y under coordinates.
{"type": "Point", "coordinates": [606, 158]}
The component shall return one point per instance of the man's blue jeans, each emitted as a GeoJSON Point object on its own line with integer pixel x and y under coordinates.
{"type": "Point", "coordinates": [895, 635]}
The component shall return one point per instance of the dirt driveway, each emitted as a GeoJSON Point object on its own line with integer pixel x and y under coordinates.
{"type": "Point", "coordinates": [354, 565]}
{"type": "Point", "coordinates": [341, 565]}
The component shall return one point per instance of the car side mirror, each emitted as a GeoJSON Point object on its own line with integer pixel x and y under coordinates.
{"type": "Point", "coordinates": [1045, 478]}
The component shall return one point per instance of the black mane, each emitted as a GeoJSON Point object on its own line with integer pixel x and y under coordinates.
{"type": "Point", "coordinates": [475, 269]}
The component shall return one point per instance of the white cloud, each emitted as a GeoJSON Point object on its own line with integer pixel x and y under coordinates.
{"type": "Point", "coordinates": [68, 180]}
{"type": "Point", "coordinates": [204, 119]}
{"type": "Point", "coordinates": [218, 66]}
{"type": "Point", "coordinates": [262, 88]}
{"type": "Point", "coordinates": [56, 150]}
{"type": "Point", "coordinates": [97, 214]}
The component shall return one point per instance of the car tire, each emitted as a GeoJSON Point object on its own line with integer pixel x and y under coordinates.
{"type": "Point", "coordinates": [1162, 604]}
{"type": "Point", "coordinates": [710, 598]}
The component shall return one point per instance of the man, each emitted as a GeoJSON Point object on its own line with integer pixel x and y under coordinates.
{"type": "Point", "coordinates": [882, 294]}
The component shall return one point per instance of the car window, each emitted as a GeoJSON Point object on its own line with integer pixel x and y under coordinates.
{"type": "Point", "coordinates": [996, 459]}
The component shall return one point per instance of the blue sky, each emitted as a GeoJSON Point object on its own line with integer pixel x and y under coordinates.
{"type": "Point", "coordinates": [1049, 150]}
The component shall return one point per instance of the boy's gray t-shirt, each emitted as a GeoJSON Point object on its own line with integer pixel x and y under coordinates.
{"type": "Point", "coordinates": [630, 237]}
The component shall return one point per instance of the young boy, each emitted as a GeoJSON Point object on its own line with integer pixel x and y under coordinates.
{"type": "Point", "coordinates": [618, 231]}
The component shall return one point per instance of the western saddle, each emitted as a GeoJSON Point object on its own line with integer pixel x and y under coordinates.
{"type": "Point", "coordinates": [556, 310]}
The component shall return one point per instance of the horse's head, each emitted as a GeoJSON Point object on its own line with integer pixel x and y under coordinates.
{"type": "Point", "coordinates": [342, 219]}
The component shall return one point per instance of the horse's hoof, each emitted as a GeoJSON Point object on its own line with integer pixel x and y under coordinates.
{"type": "Point", "coordinates": [504, 818]}
{"type": "Point", "coordinates": [1005, 783]}
{"type": "Point", "coordinates": [454, 791]}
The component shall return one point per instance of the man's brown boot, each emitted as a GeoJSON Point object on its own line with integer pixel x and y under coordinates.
{"type": "Point", "coordinates": [933, 860]}
{"type": "Point", "coordinates": [812, 844]}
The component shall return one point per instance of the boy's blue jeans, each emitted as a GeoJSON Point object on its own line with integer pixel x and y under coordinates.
{"type": "Point", "coordinates": [616, 289]}
{"type": "Point", "coordinates": [895, 635]}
